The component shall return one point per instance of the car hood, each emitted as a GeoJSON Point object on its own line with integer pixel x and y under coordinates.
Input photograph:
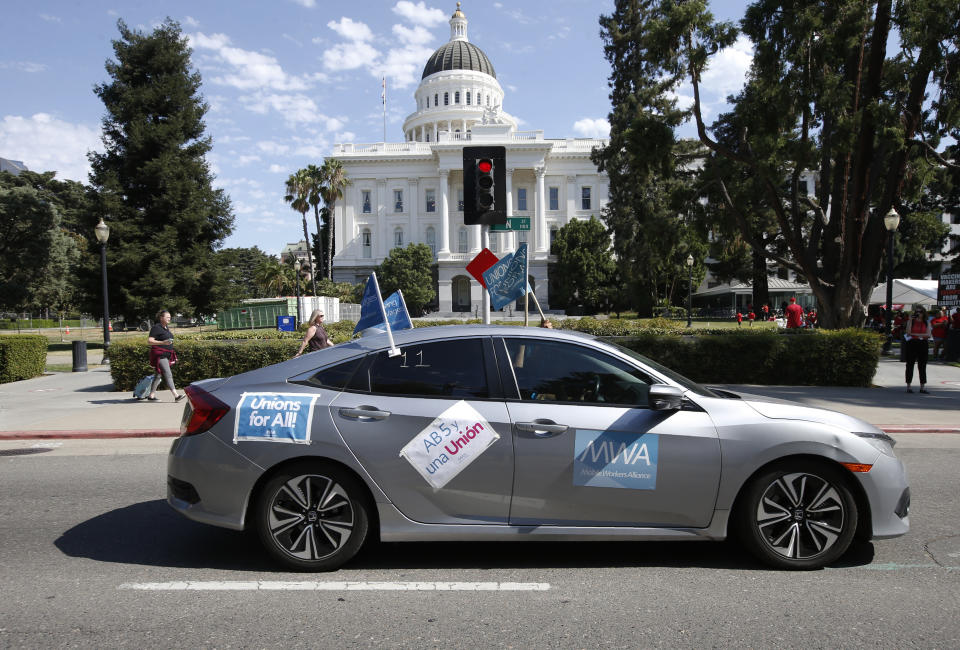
{"type": "Point", "coordinates": [781, 409]}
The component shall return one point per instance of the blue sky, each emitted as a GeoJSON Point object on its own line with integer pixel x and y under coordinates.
{"type": "Point", "coordinates": [286, 79]}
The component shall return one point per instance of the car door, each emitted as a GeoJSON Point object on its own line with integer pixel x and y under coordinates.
{"type": "Point", "coordinates": [393, 399]}
{"type": "Point", "coordinates": [590, 452]}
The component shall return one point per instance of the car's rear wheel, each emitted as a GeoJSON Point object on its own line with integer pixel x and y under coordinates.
{"type": "Point", "coordinates": [798, 515]}
{"type": "Point", "coordinates": [312, 516]}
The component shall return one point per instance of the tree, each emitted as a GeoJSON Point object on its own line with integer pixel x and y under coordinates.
{"type": "Point", "coordinates": [584, 267]}
{"type": "Point", "coordinates": [408, 269]}
{"type": "Point", "coordinates": [275, 278]}
{"type": "Point", "coordinates": [822, 96]}
{"type": "Point", "coordinates": [237, 278]}
{"type": "Point", "coordinates": [334, 182]}
{"type": "Point", "coordinates": [36, 255]}
{"type": "Point", "coordinates": [152, 184]}
{"type": "Point", "coordinates": [298, 196]}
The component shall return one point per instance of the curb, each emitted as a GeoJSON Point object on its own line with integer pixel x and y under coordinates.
{"type": "Point", "coordinates": [102, 434]}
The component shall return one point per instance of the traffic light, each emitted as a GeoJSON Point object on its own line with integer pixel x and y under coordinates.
{"type": "Point", "coordinates": [484, 185]}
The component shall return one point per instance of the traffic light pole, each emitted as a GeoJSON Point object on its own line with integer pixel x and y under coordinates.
{"type": "Point", "coordinates": [485, 243]}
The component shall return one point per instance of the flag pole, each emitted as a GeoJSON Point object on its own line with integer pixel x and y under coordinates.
{"type": "Point", "coordinates": [394, 351]}
{"type": "Point", "coordinates": [383, 98]}
{"type": "Point", "coordinates": [526, 294]}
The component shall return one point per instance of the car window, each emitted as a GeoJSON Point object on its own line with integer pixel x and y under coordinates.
{"type": "Point", "coordinates": [556, 371]}
{"type": "Point", "coordinates": [336, 377]}
{"type": "Point", "coordinates": [452, 368]}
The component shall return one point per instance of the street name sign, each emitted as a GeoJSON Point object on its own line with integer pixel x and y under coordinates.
{"type": "Point", "coordinates": [513, 223]}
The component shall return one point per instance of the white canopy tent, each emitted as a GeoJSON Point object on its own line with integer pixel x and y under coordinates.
{"type": "Point", "coordinates": [907, 292]}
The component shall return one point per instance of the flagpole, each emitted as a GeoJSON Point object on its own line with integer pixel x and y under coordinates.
{"type": "Point", "coordinates": [383, 97]}
{"type": "Point", "coordinates": [526, 294]}
{"type": "Point", "coordinates": [394, 351]}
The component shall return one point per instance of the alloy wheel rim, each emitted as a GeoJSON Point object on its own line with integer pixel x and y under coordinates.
{"type": "Point", "coordinates": [311, 517]}
{"type": "Point", "coordinates": [800, 516]}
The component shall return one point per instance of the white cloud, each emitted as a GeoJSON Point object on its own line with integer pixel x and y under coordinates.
{"type": "Point", "coordinates": [346, 136]}
{"type": "Point", "coordinates": [349, 56]}
{"type": "Point", "coordinates": [351, 30]}
{"type": "Point", "coordinates": [51, 19]}
{"type": "Point", "coordinates": [419, 14]}
{"type": "Point", "coordinates": [294, 108]}
{"type": "Point", "coordinates": [415, 35]}
{"type": "Point", "coordinates": [190, 21]}
{"type": "Point", "coordinates": [276, 169]}
{"type": "Point", "coordinates": [24, 66]}
{"type": "Point", "coordinates": [248, 70]}
{"type": "Point", "coordinates": [272, 148]}
{"type": "Point", "coordinates": [309, 4]}
{"type": "Point", "coordinates": [590, 127]}
{"type": "Point", "coordinates": [45, 143]}
{"type": "Point", "coordinates": [728, 69]}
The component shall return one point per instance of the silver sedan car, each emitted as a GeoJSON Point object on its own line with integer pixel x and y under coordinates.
{"type": "Point", "coordinates": [507, 433]}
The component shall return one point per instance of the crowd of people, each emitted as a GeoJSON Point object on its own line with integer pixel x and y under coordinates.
{"type": "Point", "coordinates": [794, 315]}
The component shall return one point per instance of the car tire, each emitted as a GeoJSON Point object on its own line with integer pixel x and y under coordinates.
{"type": "Point", "coordinates": [312, 516]}
{"type": "Point", "coordinates": [798, 515]}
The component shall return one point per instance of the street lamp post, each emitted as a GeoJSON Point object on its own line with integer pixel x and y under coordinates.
{"type": "Point", "coordinates": [102, 231]}
{"type": "Point", "coordinates": [296, 268]}
{"type": "Point", "coordinates": [891, 221]}
{"type": "Point", "coordinates": [690, 291]}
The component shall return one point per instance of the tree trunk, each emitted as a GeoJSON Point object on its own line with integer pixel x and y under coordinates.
{"type": "Point", "coordinates": [313, 270]}
{"type": "Point", "coordinates": [321, 260]}
{"type": "Point", "coordinates": [761, 288]}
{"type": "Point", "coordinates": [330, 241]}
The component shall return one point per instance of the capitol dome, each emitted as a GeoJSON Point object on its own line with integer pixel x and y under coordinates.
{"type": "Point", "coordinates": [457, 90]}
{"type": "Point", "coordinates": [458, 55]}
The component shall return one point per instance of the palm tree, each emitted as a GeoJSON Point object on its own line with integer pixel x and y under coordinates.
{"type": "Point", "coordinates": [271, 276]}
{"type": "Point", "coordinates": [334, 182]}
{"type": "Point", "coordinates": [314, 186]}
{"type": "Point", "coordinates": [297, 195]}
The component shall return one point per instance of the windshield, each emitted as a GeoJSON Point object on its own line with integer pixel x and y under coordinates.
{"type": "Point", "coordinates": [691, 386]}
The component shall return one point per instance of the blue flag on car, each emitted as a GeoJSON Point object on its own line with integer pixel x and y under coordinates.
{"type": "Point", "coordinates": [507, 279]}
{"type": "Point", "coordinates": [372, 310]}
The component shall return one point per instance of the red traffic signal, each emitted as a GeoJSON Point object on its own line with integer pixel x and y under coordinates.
{"type": "Point", "coordinates": [485, 165]}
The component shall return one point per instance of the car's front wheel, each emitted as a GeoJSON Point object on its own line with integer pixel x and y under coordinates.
{"type": "Point", "coordinates": [312, 516]}
{"type": "Point", "coordinates": [798, 515]}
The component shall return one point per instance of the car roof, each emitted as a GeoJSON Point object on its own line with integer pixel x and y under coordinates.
{"type": "Point", "coordinates": [420, 334]}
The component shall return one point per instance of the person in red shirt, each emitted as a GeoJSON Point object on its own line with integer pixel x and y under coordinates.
{"type": "Point", "coordinates": [938, 329]}
{"type": "Point", "coordinates": [766, 312]}
{"type": "Point", "coordinates": [751, 317]}
{"type": "Point", "coordinates": [739, 319]}
{"type": "Point", "coordinates": [794, 314]}
{"type": "Point", "coordinates": [812, 318]}
{"type": "Point", "coordinates": [917, 333]}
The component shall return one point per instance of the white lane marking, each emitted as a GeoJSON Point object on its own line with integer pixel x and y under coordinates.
{"type": "Point", "coordinates": [47, 445]}
{"type": "Point", "coordinates": [268, 585]}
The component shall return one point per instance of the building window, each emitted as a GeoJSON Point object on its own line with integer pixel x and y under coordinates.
{"type": "Point", "coordinates": [428, 101]}
{"type": "Point", "coordinates": [462, 240]}
{"type": "Point", "coordinates": [468, 98]}
{"type": "Point", "coordinates": [436, 99]}
{"type": "Point", "coordinates": [554, 198]}
{"type": "Point", "coordinates": [584, 198]}
{"type": "Point", "coordinates": [460, 199]}
{"type": "Point", "coordinates": [432, 239]}
{"type": "Point", "coordinates": [494, 242]}
{"type": "Point", "coordinates": [398, 200]}
{"type": "Point", "coordinates": [398, 237]}
{"type": "Point", "coordinates": [431, 200]}
{"type": "Point", "coordinates": [456, 97]}
{"type": "Point", "coordinates": [521, 198]}
{"type": "Point", "coordinates": [553, 239]}
{"type": "Point", "coordinates": [366, 243]}
{"type": "Point", "coordinates": [365, 199]}
{"type": "Point", "coordinates": [446, 99]}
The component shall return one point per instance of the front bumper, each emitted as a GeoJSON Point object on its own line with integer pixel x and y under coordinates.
{"type": "Point", "coordinates": [888, 492]}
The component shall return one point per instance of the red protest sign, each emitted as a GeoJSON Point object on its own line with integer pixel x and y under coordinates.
{"type": "Point", "coordinates": [483, 261]}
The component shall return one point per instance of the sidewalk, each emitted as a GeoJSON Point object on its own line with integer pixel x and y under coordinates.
{"type": "Point", "coordinates": [84, 404]}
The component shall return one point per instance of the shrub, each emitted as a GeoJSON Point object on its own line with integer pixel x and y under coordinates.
{"type": "Point", "coordinates": [22, 356]}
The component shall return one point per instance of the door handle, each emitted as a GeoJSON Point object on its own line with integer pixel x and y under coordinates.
{"type": "Point", "coordinates": [364, 413]}
{"type": "Point", "coordinates": [542, 428]}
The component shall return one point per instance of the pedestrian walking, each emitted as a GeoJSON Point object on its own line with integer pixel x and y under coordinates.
{"type": "Point", "coordinates": [316, 336]}
{"type": "Point", "coordinates": [916, 334]}
{"type": "Point", "coordinates": [794, 314]}
{"type": "Point", "coordinates": [162, 356]}
{"type": "Point", "coordinates": [739, 318]}
{"type": "Point", "coordinates": [751, 317]}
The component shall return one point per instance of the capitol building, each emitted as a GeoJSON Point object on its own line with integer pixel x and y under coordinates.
{"type": "Point", "coordinates": [412, 191]}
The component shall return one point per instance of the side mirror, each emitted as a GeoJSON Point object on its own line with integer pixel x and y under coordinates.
{"type": "Point", "coordinates": [665, 398]}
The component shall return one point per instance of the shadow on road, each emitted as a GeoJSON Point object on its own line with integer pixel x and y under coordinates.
{"type": "Point", "coordinates": [152, 534]}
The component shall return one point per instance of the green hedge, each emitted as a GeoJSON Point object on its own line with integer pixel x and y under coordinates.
{"type": "Point", "coordinates": [806, 358]}
{"type": "Point", "coordinates": [754, 356]}
{"type": "Point", "coordinates": [22, 356]}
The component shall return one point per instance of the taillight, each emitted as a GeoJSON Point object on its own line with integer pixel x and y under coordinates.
{"type": "Point", "coordinates": [204, 411]}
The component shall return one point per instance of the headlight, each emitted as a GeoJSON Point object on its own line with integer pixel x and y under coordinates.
{"type": "Point", "coordinates": [879, 440]}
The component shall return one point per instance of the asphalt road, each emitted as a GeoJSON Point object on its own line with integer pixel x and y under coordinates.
{"type": "Point", "coordinates": [83, 522]}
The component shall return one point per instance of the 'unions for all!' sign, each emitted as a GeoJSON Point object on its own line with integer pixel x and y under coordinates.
{"type": "Point", "coordinates": [449, 444]}
{"type": "Point", "coordinates": [274, 417]}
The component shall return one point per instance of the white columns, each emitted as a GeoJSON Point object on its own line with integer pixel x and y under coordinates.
{"type": "Point", "coordinates": [444, 214]}
{"type": "Point", "coordinates": [571, 197]}
{"type": "Point", "coordinates": [413, 211]}
{"type": "Point", "coordinates": [381, 246]}
{"type": "Point", "coordinates": [541, 213]}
